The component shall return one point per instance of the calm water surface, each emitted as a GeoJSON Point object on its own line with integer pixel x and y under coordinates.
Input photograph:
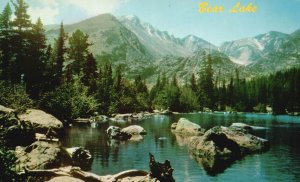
{"type": "Point", "coordinates": [280, 163]}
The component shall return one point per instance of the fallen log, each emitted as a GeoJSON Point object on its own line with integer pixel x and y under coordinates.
{"type": "Point", "coordinates": [161, 171]}
{"type": "Point", "coordinates": [76, 172]}
{"type": "Point", "coordinates": [66, 171]}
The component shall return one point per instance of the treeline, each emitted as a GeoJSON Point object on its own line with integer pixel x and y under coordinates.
{"type": "Point", "coordinates": [65, 80]}
{"type": "Point", "coordinates": [278, 93]}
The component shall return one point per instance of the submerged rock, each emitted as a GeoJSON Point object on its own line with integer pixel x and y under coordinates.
{"type": "Point", "coordinates": [42, 122]}
{"type": "Point", "coordinates": [246, 127]}
{"type": "Point", "coordinates": [185, 127]}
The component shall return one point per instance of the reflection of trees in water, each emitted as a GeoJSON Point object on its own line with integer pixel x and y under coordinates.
{"type": "Point", "coordinates": [93, 139]}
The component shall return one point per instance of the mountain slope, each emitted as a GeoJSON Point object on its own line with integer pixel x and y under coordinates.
{"type": "Point", "coordinates": [286, 56]}
{"type": "Point", "coordinates": [250, 50]}
{"type": "Point", "coordinates": [161, 43]}
{"type": "Point", "coordinates": [112, 42]}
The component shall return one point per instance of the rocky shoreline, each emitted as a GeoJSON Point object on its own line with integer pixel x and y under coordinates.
{"type": "Point", "coordinates": [34, 136]}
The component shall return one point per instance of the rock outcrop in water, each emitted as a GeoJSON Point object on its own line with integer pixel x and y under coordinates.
{"type": "Point", "coordinates": [114, 132]}
{"type": "Point", "coordinates": [218, 147]}
{"type": "Point", "coordinates": [185, 127]}
{"type": "Point", "coordinates": [133, 132]}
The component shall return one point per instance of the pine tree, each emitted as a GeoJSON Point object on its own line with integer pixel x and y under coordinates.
{"type": "Point", "coordinates": [22, 26]}
{"type": "Point", "coordinates": [59, 56]}
{"type": "Point", "coordinates": [5, 42]}
{"type": "Point", "coordinates": [35, 66]}
{"type": "Point", "coordinates": [206, 86]}
{"type": "Point", "coordinates": [90, 73]}
{"type": "Point", "coordinates": [173, 93]}
{"type": "Point", "coordinates": [78, 50]}
{"type": "Point", "coordinates": [104, 88]}
{"type": "Point", "coordinates": [193, 83]}
{"type": "Point", "coordinates": [22, 20]}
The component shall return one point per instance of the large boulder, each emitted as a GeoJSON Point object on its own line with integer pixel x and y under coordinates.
{"type": "Point", "coordinates": [65, 179]}
{"type": "Point", "coordinates": [248, 143]}
{"type": "Point", "coordinates": [185, 127]}
{"type": "Point", "coordinates": [42, 122]}
{"type": "Point", "coordinates": [40, 155]}
{"type": "Point", "coordinates": [220, 146]}
{"type": "Point", "coordinates": [134, 130]}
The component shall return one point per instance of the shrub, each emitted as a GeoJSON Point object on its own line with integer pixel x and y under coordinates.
{"type": "Point", "coordinates": [7, 165]}
{"type": "Point", "coordinates": [69, 101]}
{"type": "Point", "coordinates": [14, 96]}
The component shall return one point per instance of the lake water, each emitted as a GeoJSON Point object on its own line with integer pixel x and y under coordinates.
{"type": "Point", "coordinates": [280, 163]}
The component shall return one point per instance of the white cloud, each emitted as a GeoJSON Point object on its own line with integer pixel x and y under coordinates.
{"type": "Point", "coordinates": [47, 10]}
{"type": "Point", "coordinates": [94, 7]}
{"type": "Point", "coordinates": [50, 10]}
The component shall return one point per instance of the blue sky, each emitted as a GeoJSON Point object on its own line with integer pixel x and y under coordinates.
{"type": "Point", "coordinates": [179, 17]}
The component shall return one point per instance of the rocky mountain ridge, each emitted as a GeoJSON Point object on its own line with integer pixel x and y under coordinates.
{"type": "Point", "coordinates": [142, 49]}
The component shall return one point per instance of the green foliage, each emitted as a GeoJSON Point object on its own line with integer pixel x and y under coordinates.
{"type": "Point", "coordinates": [5, 42]}
{"type": "Point", "coordinates": [7, 165]}
{"type": "Point", "coordinates": [69, 101]}
{"type": "Point", "coordinates": [14, 96]}
{"type": "Point", "coordinates": [188, 100]}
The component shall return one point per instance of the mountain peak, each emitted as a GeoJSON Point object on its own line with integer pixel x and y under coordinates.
{"type": "Point", "coordinates": [162, 43]}
{"type": "Point", "coordinates": [131, 18]}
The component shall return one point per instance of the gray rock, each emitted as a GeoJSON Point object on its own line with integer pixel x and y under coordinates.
{"type": "Point", "coordinates": [42, 122]}
{"type": "Point", "coordinates": [39, 155]}
{"type": "Point", "coordinates": [186, 127]}
{"type": "Point", "coordinates": [115, 132]}
{"type": "Point", "coordinates": [134, 130]}
{"type": "Point", "coordinates": [65, 179]}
